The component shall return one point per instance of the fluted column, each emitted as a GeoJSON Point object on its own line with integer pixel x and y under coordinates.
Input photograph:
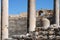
{"type": "Point", "coordinates": [4, 17]}
{"type": "Point", "coordinates": [32, 15]}
{"type": "Point", "coordinates": [56, 3]}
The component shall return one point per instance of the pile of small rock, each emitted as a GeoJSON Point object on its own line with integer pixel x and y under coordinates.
{"type": "Point", "coordinates": [51, 33]}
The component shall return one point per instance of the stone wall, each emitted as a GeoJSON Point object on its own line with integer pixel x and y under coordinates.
{"type": "Point", "coordinates": [17, 26]}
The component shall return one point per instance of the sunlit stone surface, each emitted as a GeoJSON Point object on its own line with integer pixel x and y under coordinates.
{"type": "Point", "coordinates": [4, 20]}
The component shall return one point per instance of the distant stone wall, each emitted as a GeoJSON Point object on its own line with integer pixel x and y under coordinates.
{"type": "Point", "coordinates": [17, 26]}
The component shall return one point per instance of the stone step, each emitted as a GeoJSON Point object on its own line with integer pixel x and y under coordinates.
{"type": "Point", "coordinates": [11, 39]}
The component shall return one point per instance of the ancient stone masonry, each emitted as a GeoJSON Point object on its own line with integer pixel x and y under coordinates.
{"type": "Point", "coordinates": [57, 11]}
{"type": "Point", "coordinates": [32, 15]}
{"type": "Point", "coordinates": [4, 21]}
{"type": "Point", "coordinates": [47, 31]}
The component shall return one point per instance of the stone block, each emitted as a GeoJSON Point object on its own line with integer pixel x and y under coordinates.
{"type": "Point", "coordinates": [10, 39]}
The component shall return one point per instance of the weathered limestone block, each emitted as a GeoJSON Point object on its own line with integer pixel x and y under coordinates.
{"type": "Point", "coordinates": [45, 23]}
{"type": "Point", "coordinates": [10, 39]}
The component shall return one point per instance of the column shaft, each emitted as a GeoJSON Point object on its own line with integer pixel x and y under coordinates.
{"type": "Point", "coordinates": [4, 17]}
{"type": "Point", "coordinates": [57, 11]}
{"type": "Point", "coordinates": [32, 15]}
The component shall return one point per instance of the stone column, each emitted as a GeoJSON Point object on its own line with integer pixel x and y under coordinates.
{"type": "Point", "coordinates": [32, 15]}
{"type": "Point", "coordinates": [56, 3]}
{"type": "Point", "coordinates": [4, 17]}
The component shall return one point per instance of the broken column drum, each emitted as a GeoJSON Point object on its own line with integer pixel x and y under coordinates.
{"type": "Point", "coordinates": [45, 23]}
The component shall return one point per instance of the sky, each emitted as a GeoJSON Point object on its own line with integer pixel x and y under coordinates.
{"type": "Point", "coordinates": [19, 6]}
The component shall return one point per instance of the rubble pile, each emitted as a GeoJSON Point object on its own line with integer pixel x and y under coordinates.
{"type": "Point", "coordinates": [51, 33]}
